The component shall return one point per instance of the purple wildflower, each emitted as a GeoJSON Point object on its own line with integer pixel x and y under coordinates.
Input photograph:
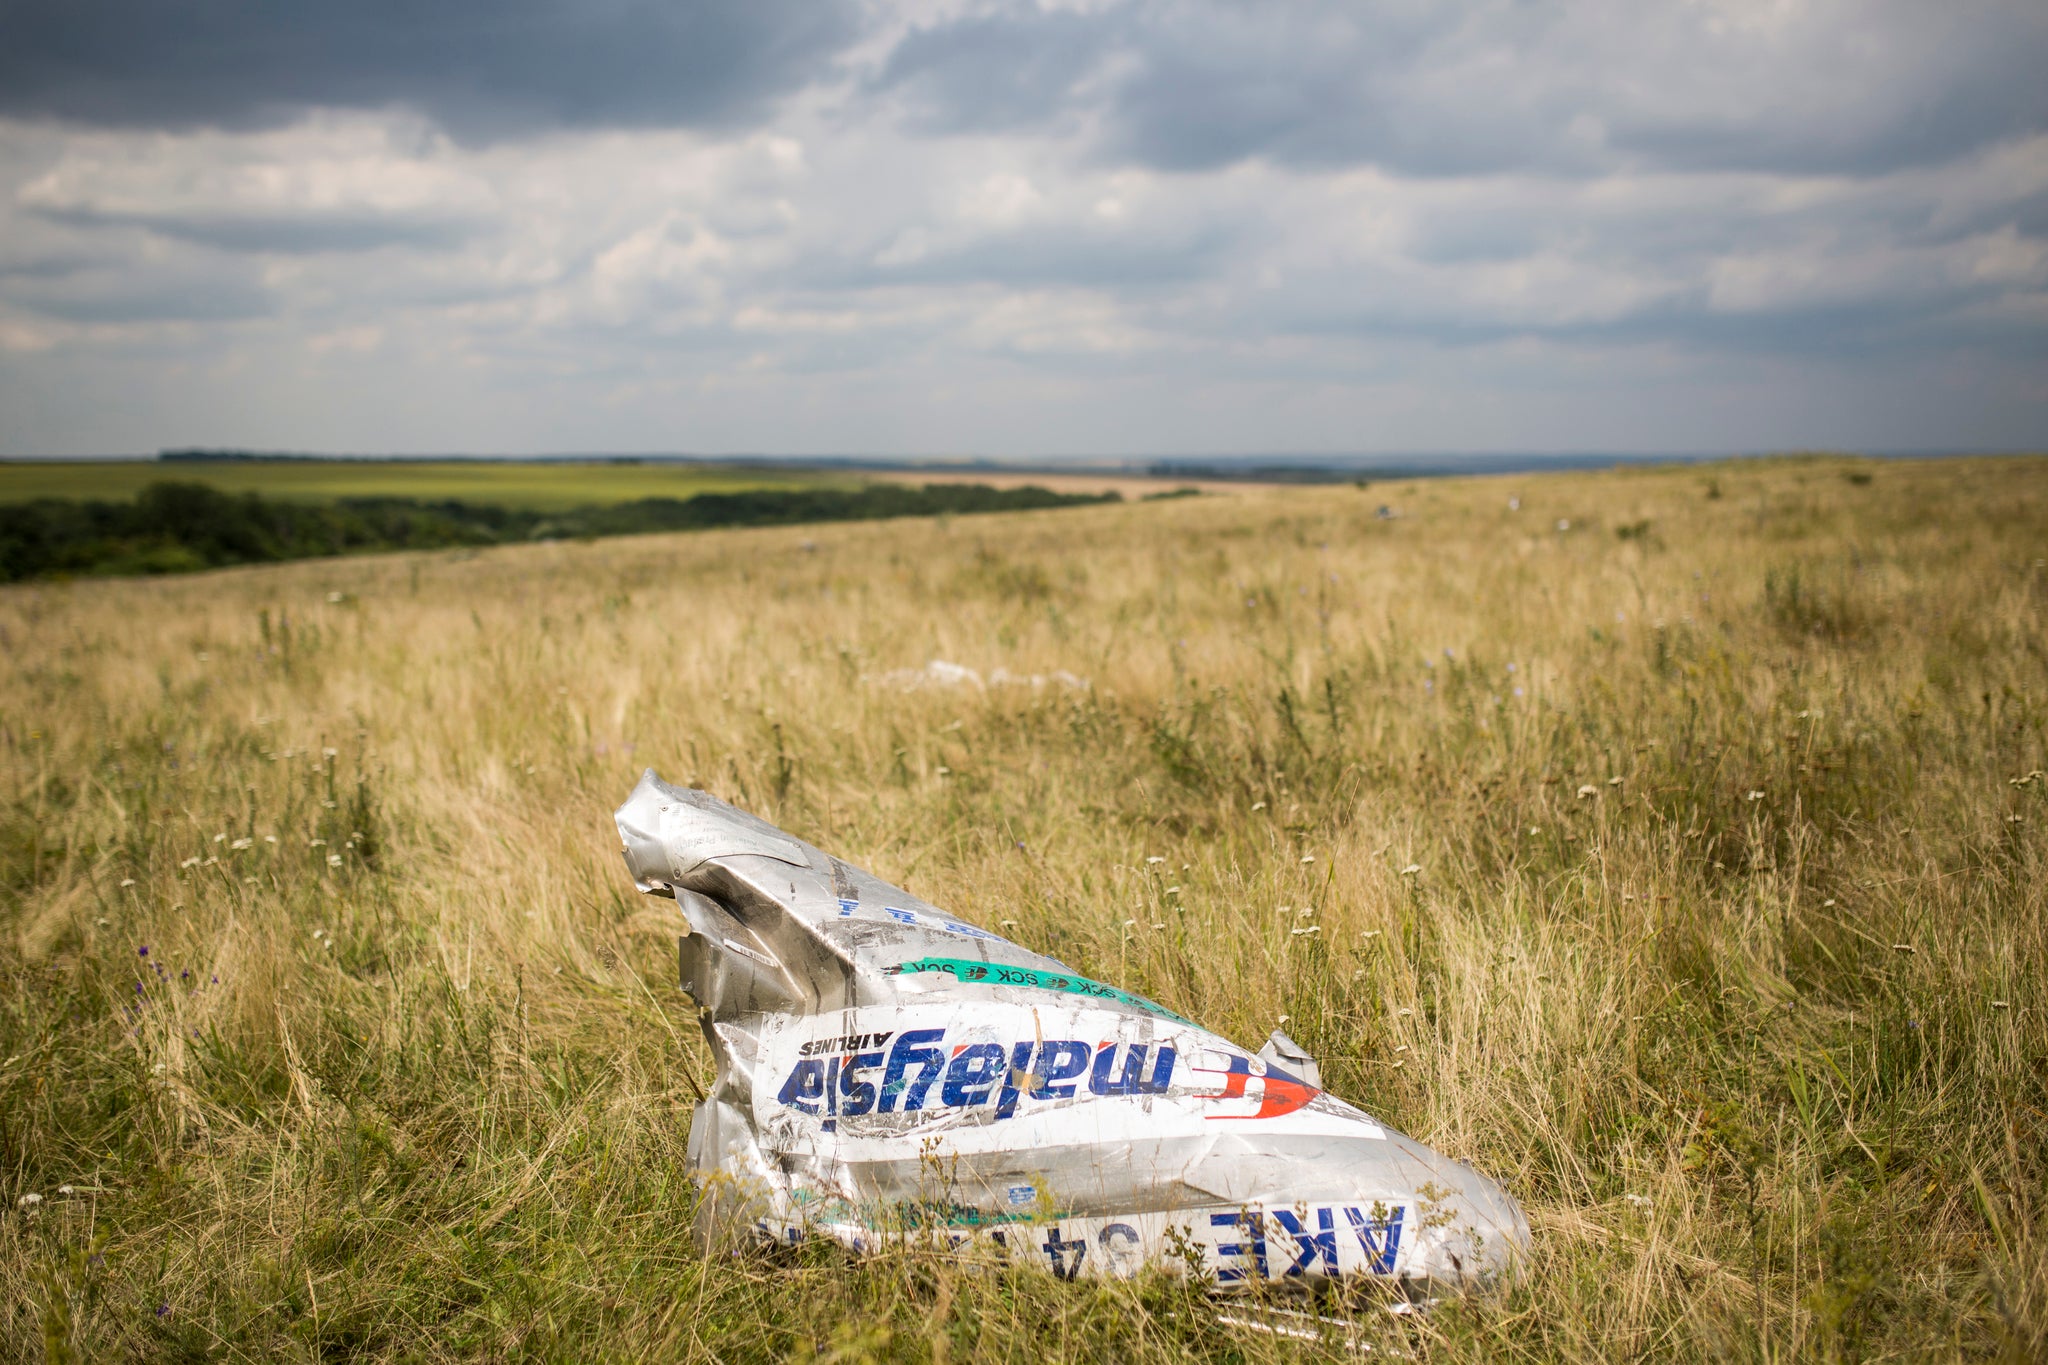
{"type": "Point", "coordinates": [143, 951]}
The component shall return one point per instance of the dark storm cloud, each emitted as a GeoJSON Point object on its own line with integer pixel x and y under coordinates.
{"type": "Point", "coordinates": [997, 72]}
{"type": "Point", "coordinates": [482, 68]}
{"type": "Point", "coordinates": [1449, 89]}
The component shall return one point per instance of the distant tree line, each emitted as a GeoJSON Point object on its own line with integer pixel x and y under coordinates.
{"type": "Point", "coordinates": [178, 527]}
{"type": "Point", "coordinates": [204, 455]}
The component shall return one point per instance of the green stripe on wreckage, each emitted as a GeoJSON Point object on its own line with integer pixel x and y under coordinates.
{"type": "Point", "coordinates": [996, 974]}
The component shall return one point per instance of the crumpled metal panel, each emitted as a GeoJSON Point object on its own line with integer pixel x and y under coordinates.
{"type": "Point", "coordinates": [888, 1071]}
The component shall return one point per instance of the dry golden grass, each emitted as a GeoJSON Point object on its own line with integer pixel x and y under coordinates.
{"type": "Point", "coordinates": [1679, 867]}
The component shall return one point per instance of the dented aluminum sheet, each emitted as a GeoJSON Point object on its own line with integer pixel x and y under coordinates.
{"type": "Point", "coordinates": [888, 1071]}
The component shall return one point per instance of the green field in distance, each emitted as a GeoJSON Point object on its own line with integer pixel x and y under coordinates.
{"type": "Point", "coordinates": [504, 483]}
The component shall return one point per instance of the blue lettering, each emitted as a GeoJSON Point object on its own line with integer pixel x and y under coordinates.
{"type": "Point", "coordinates": [860, 1095]}
{"type": "Point", "coordinates": [1162, 1075]}
{"type": "Point", "coordinates": [930, 1062]}
{"type": "Point", "coordinates": [1006, 1102]}
{"type": "Point", "coordinates": [1059, 1061]}
{"type": "Point", "coordinates": [1057, 1250]}
{"type": "Point", "coordinates": [1309, 1245]}
{"type": "Point", "coordinates": [1250, 1223]}
{"type": "Point", "coordinates": [1132, 1081]}
{"type": "Point", "coordinates": [973, 1073]}
{"type": "Point", "coordinates": [805, 1087]}
{"type": "Point", "coordinates": [1118, 1238]}
{"type": "Point", "coordinates": [1380, 1238]}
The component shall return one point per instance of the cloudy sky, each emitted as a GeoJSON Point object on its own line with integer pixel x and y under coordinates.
{"type": "Point", "coordinates": [1014, 228]}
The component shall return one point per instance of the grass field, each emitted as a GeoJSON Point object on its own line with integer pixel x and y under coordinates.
{"type": "Point", "coordinates": [1722, 946]}
{"type": "Point", "coordinates": [504, 483]}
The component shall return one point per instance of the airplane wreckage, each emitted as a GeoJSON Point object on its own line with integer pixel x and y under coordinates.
{"type": "Point", "coordinates": [887, 1072]}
